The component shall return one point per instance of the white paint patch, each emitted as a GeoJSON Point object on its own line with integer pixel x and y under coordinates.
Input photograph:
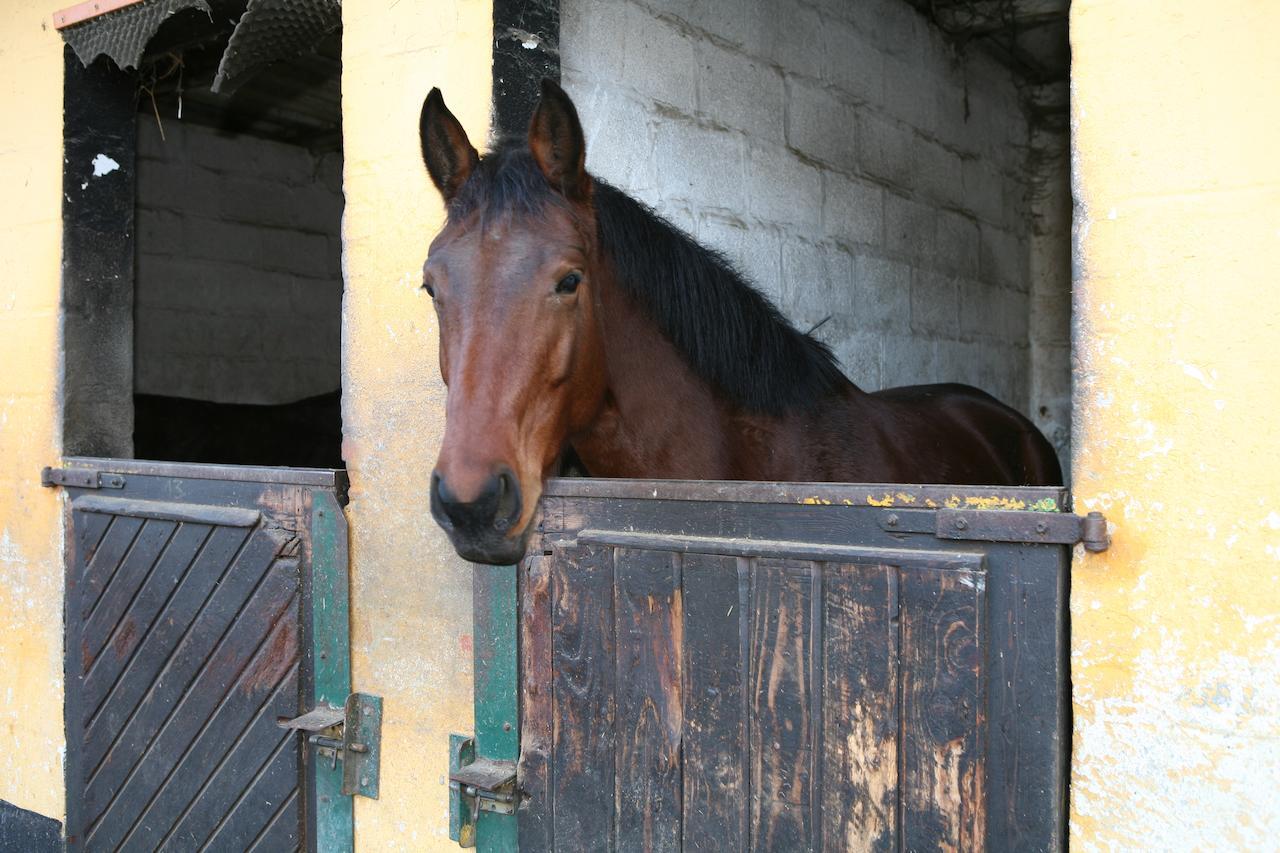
{"type": "Point", "coordinates": [1272, 520]}
{"type": "Point", "coordinates": [9, 552]}
{"type": "Point", "coordinates": [1197, 374]}
{"type": "Point", "coordinates": [1192, 743]}
{"type": "Point", "coordinates": [104, 165]}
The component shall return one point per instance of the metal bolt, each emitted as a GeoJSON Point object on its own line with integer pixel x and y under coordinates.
{"type": "Point", "coordinates": [892, 520]}
{"type": "Point", "coordinates": [364, 780]}
{"type": "Point", "coordinates": [506, 727]}
{"type": "Point", "coordinates": [961, 524]}
{"type": "Point", "coordinates": [1042, 527]}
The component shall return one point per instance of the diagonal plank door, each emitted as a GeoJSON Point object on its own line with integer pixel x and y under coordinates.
{"type": "Point", "coordinates": [187, 633]}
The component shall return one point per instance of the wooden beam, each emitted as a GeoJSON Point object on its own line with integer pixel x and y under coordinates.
{"type": "Point", "coordinates": [81, 12]}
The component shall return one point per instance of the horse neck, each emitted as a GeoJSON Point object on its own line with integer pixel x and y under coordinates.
{"type": "Point", "coordinates": [659, 419]}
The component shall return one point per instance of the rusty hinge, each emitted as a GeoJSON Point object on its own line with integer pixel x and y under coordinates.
{"type": "Point", "coordinates": [476, 784]}
{"type": "Point", "coordinates": [81, 478]}
{"type": "Point", "coordinates": [1056, 528]}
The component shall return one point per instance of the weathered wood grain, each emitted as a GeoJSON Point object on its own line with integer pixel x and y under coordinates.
{"type": "Point", "coordinates": [584, 743]}
{"type": "Point", "coordinates": [649, 699]}
{"type": "Point", "coordinates": [943, 696]}
{"type": "Point", "coordinates": [537, 712]}
{"type": "Point", "coordinates": [782, 742]}
{"type": "Point", "coordinates": [860, 708]}
{"type": "Point", "coordinates": [715, 725]}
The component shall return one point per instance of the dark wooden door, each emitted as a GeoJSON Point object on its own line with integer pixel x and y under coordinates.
{"type": "Point", "coordinates": [718, 666]}
{"type": "Point", "coordinates": [188, 635]}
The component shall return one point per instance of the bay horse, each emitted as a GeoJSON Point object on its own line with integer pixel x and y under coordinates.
{"type": "Point", "coordinates": [574, 318]}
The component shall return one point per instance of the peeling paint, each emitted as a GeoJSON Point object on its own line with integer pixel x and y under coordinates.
{"type": "Point", "coordinates": [1175, 634]}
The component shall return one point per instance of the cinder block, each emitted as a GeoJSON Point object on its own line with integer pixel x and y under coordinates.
{"type": "Point", "coordinates": [884, 149]}
{"type": "Point", "coordinates": [619, 129]}
{"type": "Point", "coordinates": [984, 190]}
{"type": "Point", "coordinates": [860, 355]}
{"type": "Point", "coordinates": [933, 303]}
{"type": "Point", "coordinates": [1003, 258]}
{"type": "Point", "coordinates": [852, 210]}
{"type": "Point", "coordinates": [881, 294]}
{"type": "Point", "coordinates": [699, 164]}
{"type": "Point", "coordinates": [815, 279]}
{"type": "Point", "coordinates": [798, 27]}
{"type": "Point", "coordinates": [781, 188]}
{"type": "Point", "coordinates": [754, 252]}
{"type": "Point", "coordinates": [958, 239]}
{"type": "Point", "coordinates": [820, 126]}
{"type": "Point", "coordinates": [853, 62]}
{"type": "Point", "coordinates": [745, 24]}
{"type": "Point", "coordinates": [740, 92]}
{"type": "Point", "coordinates": [910, 228]}
{"type": "Point", "coordinates": [659, 60]}
{"type": "Point", "coordinates": [908, 92]}
{"type": "Point", "coordinates": [908, 360]}
{"type": "Point", "coordinates": [938, 172]}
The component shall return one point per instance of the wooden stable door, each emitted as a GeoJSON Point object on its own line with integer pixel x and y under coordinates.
{"type": "Point", "coordinates": [190, 631]}
{"type": "Point", "coordinates": [762, 667]}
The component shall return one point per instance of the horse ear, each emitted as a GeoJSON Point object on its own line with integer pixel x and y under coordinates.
{"type": "Point", "coordinates": [445, 148]}
{"type": "Point", "coordinates": [555, 138]}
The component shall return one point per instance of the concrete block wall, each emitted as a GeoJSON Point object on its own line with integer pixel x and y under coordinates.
{"type": "Point", "coordinates": [860, 171]}
{"type": "Point", "coordinates": [239, 280]}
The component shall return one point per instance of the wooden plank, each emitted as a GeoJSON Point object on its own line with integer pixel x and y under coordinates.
{"type": "Point", "coordinates": [943, 710]}
{"type": "Point", "coordinates": [136, 623]}
{"type": "Point", "coordinates": [262, 748]}
{"type": "Point", "coordinates": [128, 717]}
{"type": "Point", "coordinates": [113, 549]}
{"type": "Point", "coordinates": [123, 588]}
{"type": "Point", "coordinates": [583, 766]}
{"type": "Point", "coordinates": [860, 708]}
{"type": "Point", "coordinates": [782, 682]}
{"type": "Point", "coordinates": [223, 516]}
{"type": "Point", "coordinates": [268, 673]}
{"type": "Point", "coordinates": [649, 699]}
{"type": "Point", "coordinates": [88, 10]}
{"type": "Point", "coordinates": [536, 709]}
{"type": "Point", "coordinates": [780, 548]}
{"type": "Point", "coordinates": [194, 581]}
{"type": "Point", "coordinates": [163, 726]}
{"type": "Point", "coordinates": [834, 495]}
{"type": "Point", "coordinates": [715, 727]}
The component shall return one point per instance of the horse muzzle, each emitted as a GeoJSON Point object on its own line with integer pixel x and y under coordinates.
{"type": "Point", "coordinates": [481, 528]}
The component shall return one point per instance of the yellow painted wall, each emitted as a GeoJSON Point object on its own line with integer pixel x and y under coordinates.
{"type": "Point", "coordinates": [1176, 630]}
{"type": "Point", "coordinates": [411, 596]}
{"type": "Point", "coordinates": [31, 740]}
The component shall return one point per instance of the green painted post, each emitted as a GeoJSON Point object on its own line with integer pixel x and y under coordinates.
{"type": "Point", "coordinates": [496, 685]}
{"type": "Point", "coordinates": [331, 661]}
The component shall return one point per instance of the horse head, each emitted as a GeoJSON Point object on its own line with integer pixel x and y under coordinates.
{"type": "Point", "coordinates": [511, 278]}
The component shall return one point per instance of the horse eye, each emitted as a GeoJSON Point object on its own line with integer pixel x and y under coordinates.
{"type": "Point", "coordinates": [569, 283]}
{"type": "Point", "coordinates": [431, 291]}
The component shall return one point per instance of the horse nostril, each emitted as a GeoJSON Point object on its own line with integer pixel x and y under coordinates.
{"type": "Point", "coordinates": [508, 500]}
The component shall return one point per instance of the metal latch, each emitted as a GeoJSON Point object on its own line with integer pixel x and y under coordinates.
{"type": "Point", "coordinates": [476, 785]}
{"type": "Point", "coordinates": [81, 478]}
{"type": "Point", "coordinates": [351, 734]}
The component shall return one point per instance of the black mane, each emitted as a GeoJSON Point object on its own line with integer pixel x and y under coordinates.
{"type": "Point", "coordinates": [732, 337]}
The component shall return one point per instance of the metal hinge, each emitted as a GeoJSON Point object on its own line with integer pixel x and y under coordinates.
{"type": "Point", "coordinates": [999, 525]}
{"type": "Point", "coordinates": [80, 478]}
{"type": "Point", "coordinates": [351, 734]}
{"type": "Point", "coordinates": [476, 785]}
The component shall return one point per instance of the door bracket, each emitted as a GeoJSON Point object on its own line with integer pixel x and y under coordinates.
{"type": "Point", "coordinates": [1056, 528]}
{"type": "Point", "coordinates": [80, 478]}
{"type": "Point", "coordinates": [1001, 525]}
{"type": "Point", "coordinates": [351, 734]}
